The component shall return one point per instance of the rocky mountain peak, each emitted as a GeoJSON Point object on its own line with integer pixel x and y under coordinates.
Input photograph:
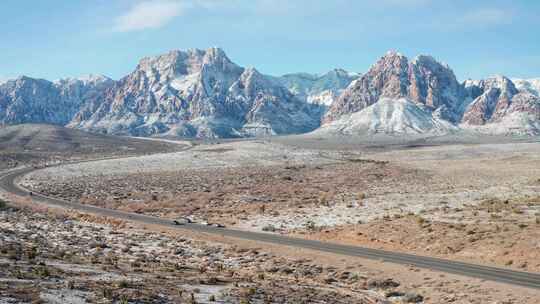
{"type": "Point", "coordinates": [27, 83]}
{"type": "Point", "coordinates": [393, 54]}
{"type": "Point", "coordinates": [251, 74]}
{"type": "Point", "coordinates": [423, 80]}
{"type": "Point", "coordinates": [321, 90]}
{"type": "Point", "coordinates": [85, 80]}
{"type": "Point", "coordinates": [391, 63]}
{"type": "Point", "coordinates": [27, 99]}
{"type": "Point", "coordinates": [176, 63]}
{"type": "Point", "coordinates": [216, 55]}
{"type": "Point", "coordinates": [253, 83]}
{"type": "Point", "coordinates": [499, 82]}
{"type": "Point", "coordinates": [338, 73]}
{"type": "Point", "coordinates": [428, 60]}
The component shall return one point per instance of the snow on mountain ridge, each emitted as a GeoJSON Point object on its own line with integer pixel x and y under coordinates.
{"type": "Point", "coordinates": [389, 116]}
{"type": "Point", "coordinates": [528, 85]}
{"type": "Point", "coordinates": [202, 93]}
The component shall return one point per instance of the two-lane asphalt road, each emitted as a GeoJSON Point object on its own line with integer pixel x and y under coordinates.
{"type": "Point", "coordinates": [520, 278]}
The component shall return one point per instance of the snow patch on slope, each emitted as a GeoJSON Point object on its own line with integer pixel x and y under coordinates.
{"type": "Point", "coordinates": [515, 123]}
{"type": "Point", "coordinates": [323, 98]}
{"type": "Point", "coordinates": [528, 85]}
{"type": "Point", "coordinates": [390, 116]}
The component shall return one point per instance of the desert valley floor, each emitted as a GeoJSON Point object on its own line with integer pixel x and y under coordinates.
{"type": "Point", "coordinates": [472, 200]}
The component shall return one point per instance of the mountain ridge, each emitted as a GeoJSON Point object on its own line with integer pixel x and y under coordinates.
{"type": "Point", "coordinates": [203, 94]}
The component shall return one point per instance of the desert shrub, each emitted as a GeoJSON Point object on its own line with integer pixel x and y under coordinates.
{"type": "Point", "coordinates": [124, 299]}
{"type": "Point", "coordinates": [107, 293]}
{"type": "Point", "coordinates": [516, 210]}
{"type": "Point", "coordinates": [310, 225]}
{"type": "Point", "coordinates": [42, 271]}
{"type": "Point", "coordinates": [323, 199]}
{"type": "Point", "coordinates": [3, 204]}
{"type": "Point", "coordinates": [123, 284]}
{"type": "Point", "coordinates": [269, 228]}
{"type": "Point", "coordinates": [70, 285]}
{"type": "Point", "coordinates": [31, 253]}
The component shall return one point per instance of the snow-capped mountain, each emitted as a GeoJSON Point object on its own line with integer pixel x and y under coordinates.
{"type": "Point", "coordinates": [422, 80]}
{"type": "Point", "coordinates": [203, 94]}
{"type": "Point", "coordinates": [492, 105]}
{"type": "Point", "coordinates": [318, 89]}
{"type": "Point", "coordinates": [197, 93]}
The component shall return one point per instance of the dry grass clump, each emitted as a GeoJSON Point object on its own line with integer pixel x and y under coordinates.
{"type": "Point", "coordinates": [495, 205]}
{"type": "Point", "coordinates": [99, 219]}
{"type": "Point", "coordinates": [531, 200]}
{"type": "Point", "coordinates": [324, 199]}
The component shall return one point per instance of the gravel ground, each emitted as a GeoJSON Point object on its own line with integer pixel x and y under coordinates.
{"type": "Point", "coordinates": [477, 203]}
{"type": "Point", "coordinates": [74, 258]}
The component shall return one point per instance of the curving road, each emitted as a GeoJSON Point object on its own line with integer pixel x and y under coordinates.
{"type": "Point", "coordinates": [520, 278]}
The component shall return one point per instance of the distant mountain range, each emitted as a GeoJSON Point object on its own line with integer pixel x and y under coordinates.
{"type": "Point", "coordinates": [203, 94]}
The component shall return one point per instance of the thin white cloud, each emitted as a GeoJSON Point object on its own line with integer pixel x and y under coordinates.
{"type": "Point", "coordinates": [150, 14]}
{"type": "Point", "coordinates": [486, 17]}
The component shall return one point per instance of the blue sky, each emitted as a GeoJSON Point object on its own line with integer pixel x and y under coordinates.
{"type": "Point", "coordinates": [59, 38]}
